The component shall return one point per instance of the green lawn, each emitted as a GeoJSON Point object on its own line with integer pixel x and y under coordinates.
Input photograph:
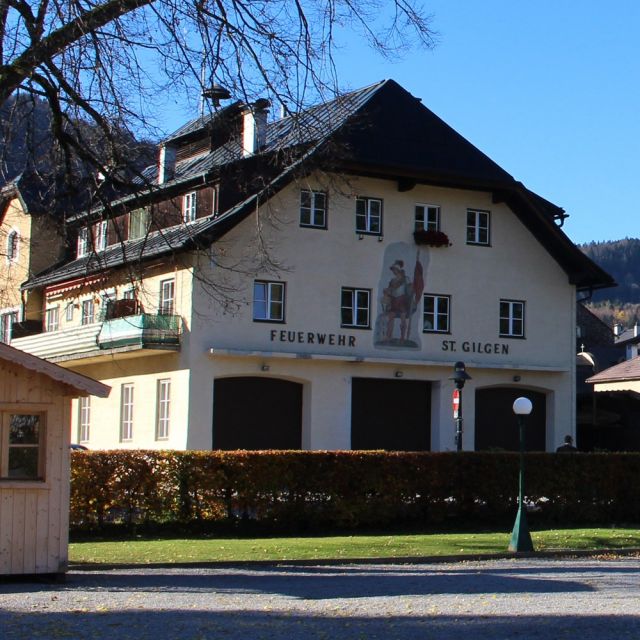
{"type": "Point", "coordinates": [142, 551]}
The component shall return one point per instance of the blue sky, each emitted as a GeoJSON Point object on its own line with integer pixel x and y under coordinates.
{"type": "Point", "coordinates": [550, 90]}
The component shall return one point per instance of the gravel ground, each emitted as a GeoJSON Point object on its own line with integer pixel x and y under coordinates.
{"type": "Point", "coordinates": [515, 598]}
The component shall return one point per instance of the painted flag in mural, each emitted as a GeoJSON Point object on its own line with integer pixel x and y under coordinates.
{"type": "Point", "coordinates": [418, 281]}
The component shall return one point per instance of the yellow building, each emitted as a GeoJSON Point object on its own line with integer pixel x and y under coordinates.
{"type": "Point", "coordinates": [310, 282]}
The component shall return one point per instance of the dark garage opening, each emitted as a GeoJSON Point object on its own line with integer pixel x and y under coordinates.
{"type": "Point", "coordinates": [496, 425]}
{"type": "Point", "coordinates": [257, 413]}
{"type": "Point", "coordinates": [390, 414]}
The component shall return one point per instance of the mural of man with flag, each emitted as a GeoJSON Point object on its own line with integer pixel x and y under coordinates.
{"type": "Point", "coordinates": [399, 301]}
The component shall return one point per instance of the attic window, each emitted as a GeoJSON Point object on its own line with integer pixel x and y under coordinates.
{"type": "Point", "coordinates": [139, 223]}
{"type": "Point", "coordinates": [83, 242]}
{"type": "Point", "coordinates": [189, 206]}
{"type": "Point", "coordinates": [13, 242]}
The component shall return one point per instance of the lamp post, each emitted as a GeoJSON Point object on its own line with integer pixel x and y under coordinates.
{"type": "Point", "coordinates": [460, 376]}
{"type": "Point", "coordinates": [520, 536]}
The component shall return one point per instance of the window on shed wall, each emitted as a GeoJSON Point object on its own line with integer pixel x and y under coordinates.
{"type": "Point", "coordinates": [22, 446]}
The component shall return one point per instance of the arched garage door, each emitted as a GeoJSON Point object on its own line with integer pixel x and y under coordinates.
{"type": "Point", "coordinates": [496, 425]}
{"type": "Point", "coordinates": [257, 413]}
{"type": "Point", "coordinates": [390, 414]}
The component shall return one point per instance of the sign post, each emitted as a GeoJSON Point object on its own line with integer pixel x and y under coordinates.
{"type": "Point", "coordinates": [457, 416]}
{"type": "Point", "coordinates": [459, 377]}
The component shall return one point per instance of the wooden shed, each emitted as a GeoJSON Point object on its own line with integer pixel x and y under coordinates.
{"type": "Point", "coordinates": [35, 429]}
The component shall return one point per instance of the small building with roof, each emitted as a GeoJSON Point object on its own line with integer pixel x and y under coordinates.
{"type": "Point", "coordinates": [35, 427]}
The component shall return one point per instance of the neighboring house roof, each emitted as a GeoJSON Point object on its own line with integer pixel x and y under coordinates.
{"type": "Point", "coordinates": [378, 131]}
{"type": "Point", "coordinates": [625, 371]}
{"type": "Point", "coordinates": [81, 385]}
{"type": "Point", "coordinates": [629, 336]}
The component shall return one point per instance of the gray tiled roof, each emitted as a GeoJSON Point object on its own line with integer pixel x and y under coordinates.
{"type": "Point", "coordinates": [385, 131]}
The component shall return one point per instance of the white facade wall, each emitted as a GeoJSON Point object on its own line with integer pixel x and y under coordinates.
{"type": "Point", "coordinates": [316, 263]}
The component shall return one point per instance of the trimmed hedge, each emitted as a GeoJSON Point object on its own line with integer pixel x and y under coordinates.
{"type": "Point", "coordinates": [298, 490]}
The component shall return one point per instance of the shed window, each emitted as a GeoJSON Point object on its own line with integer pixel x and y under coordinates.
{"type": "Point", "coordinates": [21, 445]}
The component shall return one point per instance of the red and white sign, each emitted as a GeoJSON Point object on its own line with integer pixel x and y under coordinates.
{"type": "Point", "coordinates": [456, 402]}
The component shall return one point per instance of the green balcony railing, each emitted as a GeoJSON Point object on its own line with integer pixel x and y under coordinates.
{"type": "Point", "coordinates": [142, 330]}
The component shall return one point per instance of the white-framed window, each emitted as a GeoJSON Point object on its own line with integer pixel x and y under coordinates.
{"type": "Point", "coordinates": [68, 312]}
{"type": "Point", "coordinates": [166, 303]}
{"type": "Point", "coordinates": [52, 319]}
{"type": "Point", "coordinates": [126, 412]}
{"type": "Point", "coordinates": [313, 209]}
{"type": "Point", "coordinates": [83, 242]}
{"type": "Point", "coordinates": [436, 316]}
{"type": "Point", "coordinates": [88, 312]}
{"type": "Point", "coordinates": [268, 301]}
{"type": "Point", "coordinates": [129, 294]}
{"type": "Point", "coordinates": [214, 200]}
{"type": "Point", "coordinates": [22, 445]}
{"type": "Point", "coordinates": [13, 245]}
{"type": "Point", "coordinates": [7, 320]}
{"type": "Point", "coordinates": [84, 419]}
{"type": "Point", "coordinates": [163, 408]}
{"type": "Point", "coordinates": [139, 223]}
{"type": "Point", "coordinates": [355, 308]}
{"type": "Point", "coordinates": [478, 227]}
{"type": "Point", "coordinates": [369, 216]}
{"type": "Point", "coordinates": [189, 206]}
{"type": "Point", "coordinates": [512, 319]}
{"type": "Point", "coordinates": [100, 236]}
{"type": "Point", "coordinates": [427, 217]}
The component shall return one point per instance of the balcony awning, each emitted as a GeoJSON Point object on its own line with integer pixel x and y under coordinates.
{"type": "Point", "coordinates": [70, 285]}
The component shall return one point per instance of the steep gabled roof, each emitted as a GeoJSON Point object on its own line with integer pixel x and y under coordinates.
{"type": "Point", "coordinates": [379, 131]}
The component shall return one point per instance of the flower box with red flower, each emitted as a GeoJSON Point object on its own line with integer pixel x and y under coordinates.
{"type": "Point", "coordinates": [431, 238]}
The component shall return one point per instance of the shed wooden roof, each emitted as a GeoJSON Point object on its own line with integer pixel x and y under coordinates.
{"type": "Point", "coordinates": [80, 384]}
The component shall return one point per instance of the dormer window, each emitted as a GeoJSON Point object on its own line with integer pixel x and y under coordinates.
{"type": "Point", "coordinates": [139, 223]}
{"type": "Point", "coordinates": [189, 206]}
{"type": "Point", "coordinates": [83, 242]}
{"type": "Point", "coordinates": [100, 236]}
{"type": "Point", "coordinates": [13, 243]}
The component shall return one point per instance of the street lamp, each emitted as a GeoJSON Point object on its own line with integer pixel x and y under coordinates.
{"type": "Point", "coordinates": [460, 376]}
{"type": "Point", "coordinates": [520, 536]}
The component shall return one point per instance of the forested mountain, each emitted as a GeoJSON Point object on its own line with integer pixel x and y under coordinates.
{"type": "Point", "coordinates": [28, 147]}
{"type": "Point", "coordinates": [620, 258]}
